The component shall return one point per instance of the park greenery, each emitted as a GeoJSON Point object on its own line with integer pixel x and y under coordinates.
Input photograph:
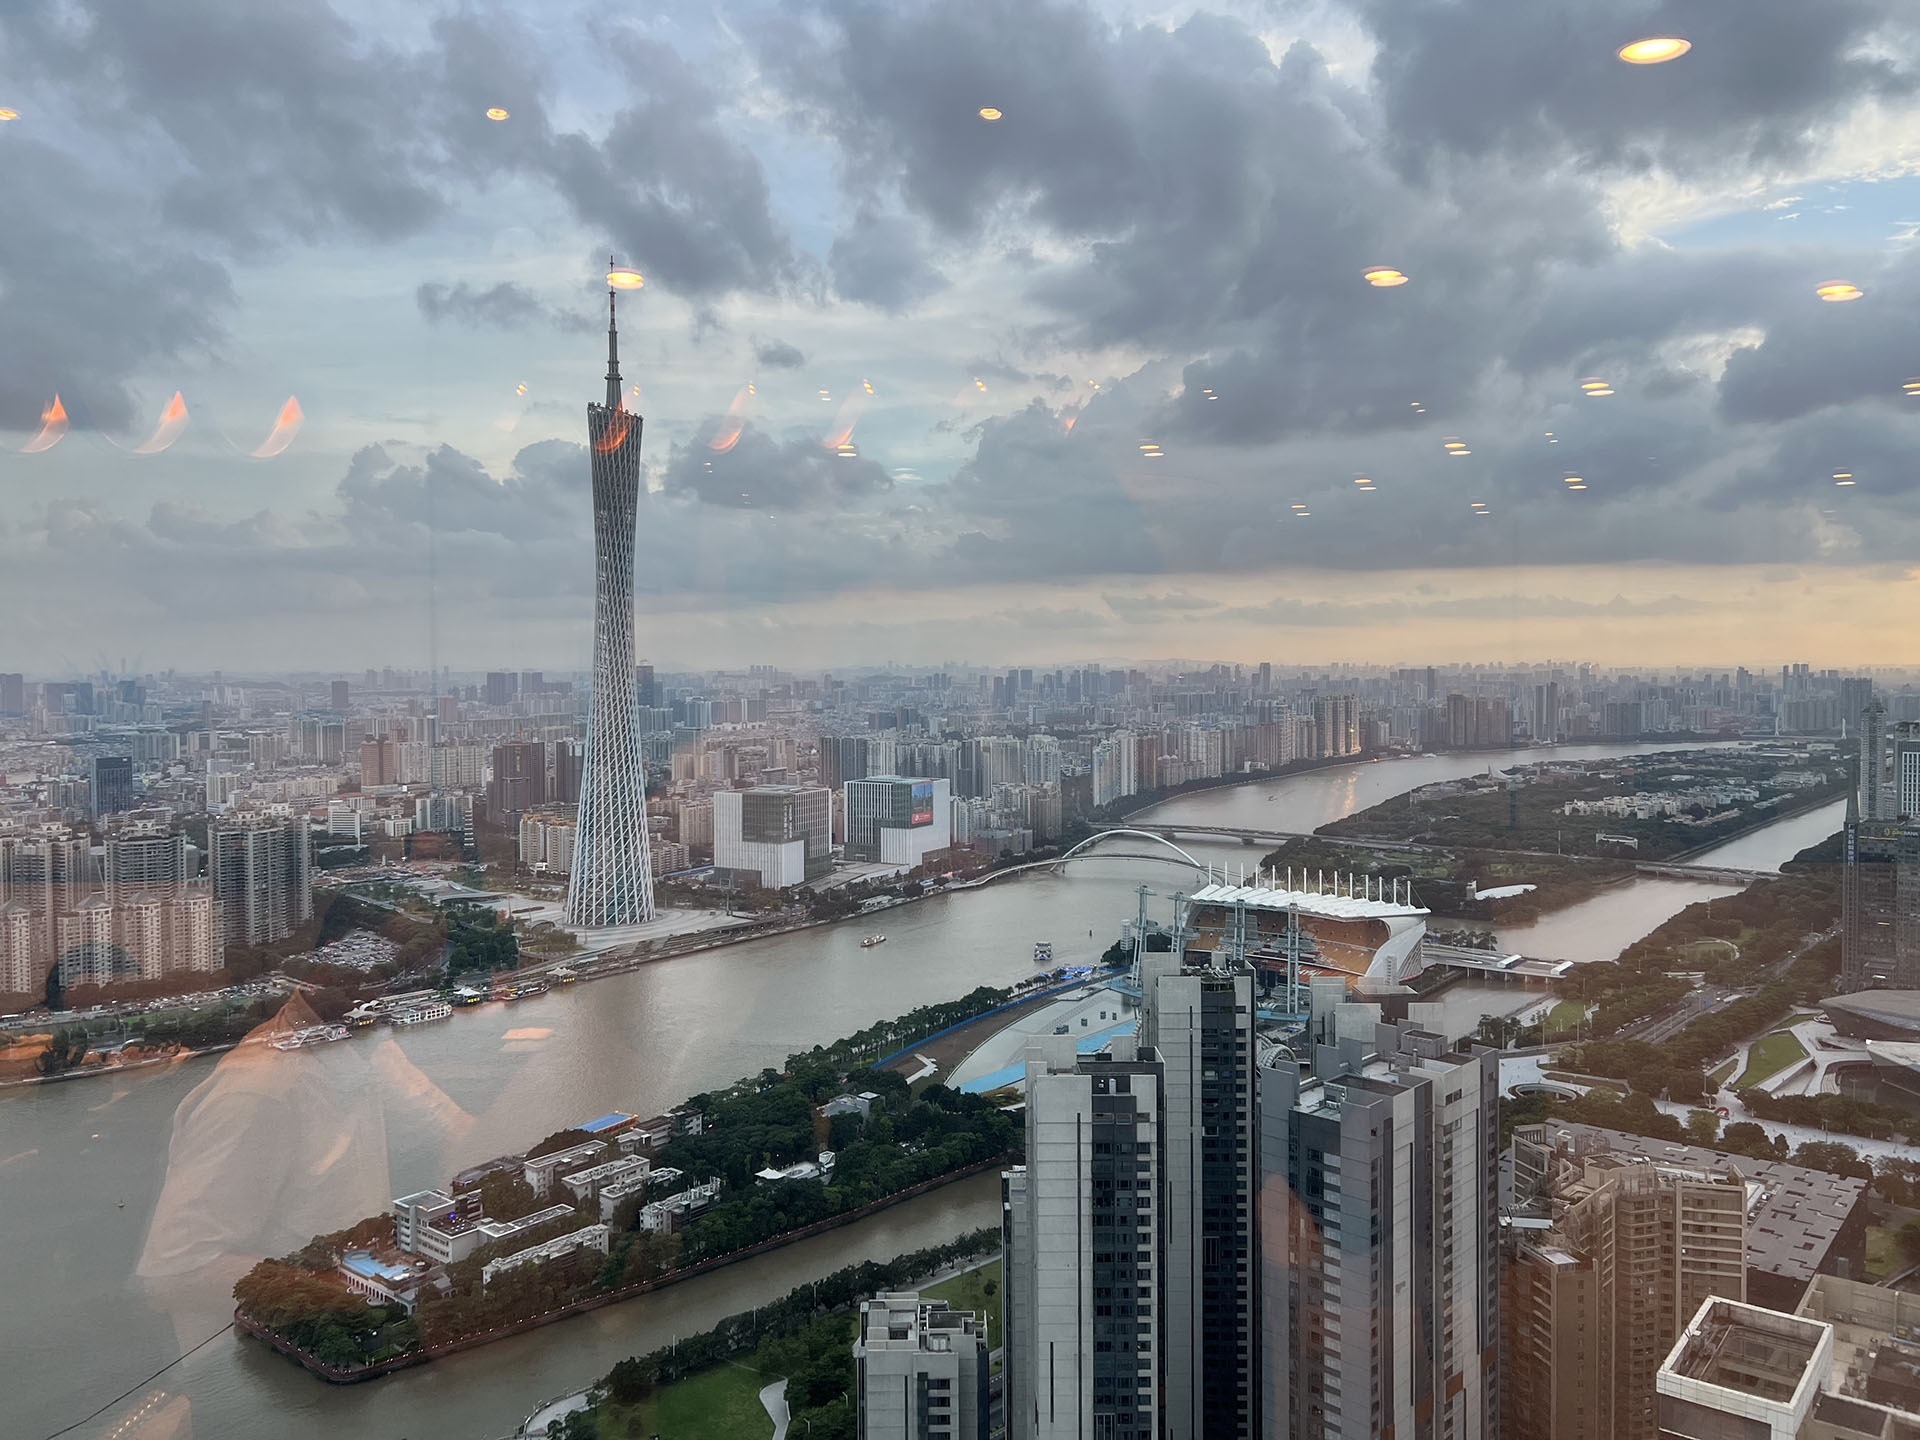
{"type": "Point", "coordinates": [478, 939]}
{"type": "Point", "coordinates": [806, 1337]}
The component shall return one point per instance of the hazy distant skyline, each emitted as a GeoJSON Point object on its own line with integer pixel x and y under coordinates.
{"type": "Point", "coordinates": [1160, 244]}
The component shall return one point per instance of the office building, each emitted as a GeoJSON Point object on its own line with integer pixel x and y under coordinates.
{"type": "Point", "coordinates": [898, 821]}
{"type": "Point", "coordinates": [501, 687]}
{"type": "Point", "coordinates": [13, 694]}
{"type": "Point", "coordinates": [922, 1370]}
{"type": "Point", "coordinates": [564, 786]}
{"type": "Point", "coordinates": [519, 782]}
{"type": "Point", "coordinates": [611, 882]}
{"type": "Point", "coordinates": [109, 785]}
{"type": "Point", "coordinates": [261, 867]}
{"type": "Point", "coordinates": [1378, 1223]}
{"type": "Point", "coordinates": [842, 758]}
{"type": "Point", "coordinates": [339, 696]}
{"type": "Point", "coordinates": [1603, 1259]}
{"type": "Point", "coordinates": [781, 834]}
{"type": "Point", "coordinates": [1906, 772]}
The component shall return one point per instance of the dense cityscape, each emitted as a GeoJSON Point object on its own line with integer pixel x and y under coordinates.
{"type": "Point", "coordinates": [1313, 834]}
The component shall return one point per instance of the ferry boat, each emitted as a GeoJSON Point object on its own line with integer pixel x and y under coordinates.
{"type": "Point", "coordinates": [873, 940]}
{"type": "Point", "coordinates": [1043, 952]}
{"type": "Point", "coordinates": [525, 988]}
{"type": "Point", "coordinates": [310, 1035]}
{"type": "Point", "coordinates": [421, 1014]}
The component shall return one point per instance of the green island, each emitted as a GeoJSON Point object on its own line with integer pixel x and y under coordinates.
{"type": "Point", "coordinates": [1647, 807]}
{"type": "Point", "coordinates": [620, 1206]}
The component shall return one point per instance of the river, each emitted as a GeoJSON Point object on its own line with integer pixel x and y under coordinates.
{"type": "Point", "coordinates": [83, 1164]}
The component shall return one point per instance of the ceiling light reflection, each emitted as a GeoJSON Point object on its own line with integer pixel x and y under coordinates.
{"type": "Point", "coordinates": [1654, 50]}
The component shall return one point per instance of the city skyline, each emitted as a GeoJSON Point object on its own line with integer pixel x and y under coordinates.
{"type": "Point", "coordinates": [917, 407]}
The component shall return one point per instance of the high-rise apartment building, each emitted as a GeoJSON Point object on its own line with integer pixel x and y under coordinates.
{"type": "Point", "coordinates": [501, 687]}
{"type": "Point", "coordinates": [110, 785]}
{"type": "Point", "coordinates": [1129, 1232]}
{"type": "Point", "coordinates": [145, 856]}
{"type": "Point", "coordinates": [1336, 725]}
{"type": "Point", "coordinates": [1905, 787]}
{"type": "Point", "coordinates": [612, 878]}
{"type": "Point", "coordinates": [13, 694]}
{"type": "Point", "coordinates": [46, 871]}
{"type": "Point", "coordinates": [922, 1370]}
{"type": "Point", "coordinates": [1876, 801]}
{"type": "Point", "coordinates": [1604, 1260]}
{"type": "Point", "coordinates": [261, 867]}
{"type": "Point", "coordinates": [519, 782]}
{"type": "Point", "coordinates": [338, 698]}
{"type": "Point", "coordinates": [781, 833]}
{"type": "Point", "coordinates": [1378, 1224]}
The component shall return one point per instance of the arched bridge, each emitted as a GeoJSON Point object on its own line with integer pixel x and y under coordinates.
{"type": "Point", "coordinates": [1135, 834]}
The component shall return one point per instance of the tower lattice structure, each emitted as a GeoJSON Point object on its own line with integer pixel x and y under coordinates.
{"type": "Point", "coordinates": [612, 877]}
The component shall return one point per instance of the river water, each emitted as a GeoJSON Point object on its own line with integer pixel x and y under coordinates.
{"type": "Point", "coordinates": [92, 1191]}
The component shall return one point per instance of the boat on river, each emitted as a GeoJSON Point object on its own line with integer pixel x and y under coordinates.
{"type": "Point", "coordinates": [873, 940]}
{"type": "Point", "coordinates": [1043, 952]}
{"type": "Point", "coordinates": [310, 1035]}
{"type": "Point", "coordinates": [421, 1014]}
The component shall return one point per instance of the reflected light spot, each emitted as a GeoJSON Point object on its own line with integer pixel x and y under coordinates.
{"type": "Point", "coordinates": [987, 112]}
{"type": "Point", "coordinates": [625, 279]}
{"type": "Point", "coordinates": [1361, 480]}
{"type": "Point", "coordinates": [496, 113]}
{"type": "Point", "coordinates": [53, 426]}
{"type": "Point", "coordinates": [285, 427]}
{"type": "Point", "coordinates": [979, 384]}
{"type": "Point", "coordinates": [6, 115]}
{"type": "Point", "coordinates": [1576, 487]}
{"type": "Point", "coordinates": [869, 386]}
{"type": "Point", "coordinates": [521, 388]}
{"type": "Point", "coordinates": [1654, 50]}
{"type": "Point", "coordinates": [172, 421]}
{"type": "Point", "coordinates": [1383, 277]}
{"type": "Point", "coordinates": [1838, 291]}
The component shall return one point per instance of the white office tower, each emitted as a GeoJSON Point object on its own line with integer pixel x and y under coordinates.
{"type": "Point", "coordinates": [1378, 1224]}
{"type": "Point", "coordinates": [922, 1369]}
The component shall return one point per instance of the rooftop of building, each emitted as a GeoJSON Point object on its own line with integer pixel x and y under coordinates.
{"type": "Point", "coordinates": [363, 1262]}
{"type": "Point", "coordinates": [1890, 1007]}
{"type": "Point", "coordinates": [1748, 1350]}
{"type": "Point", "coordinates": [606, 1122]}
{"type": "Point", "coordinates": [1307, 902]}
{"type": "Point", "coordinates": [1794, 1214]}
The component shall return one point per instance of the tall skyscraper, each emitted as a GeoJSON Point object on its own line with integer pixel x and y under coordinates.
{"type": "Point", "coordinates": [1870, 723]}
{"type": "Point", "coordinates": [612, 878]}
{"type": "Point", "coordinates": [1378, 1221]}
{"type": "Point", "coordinates": [1906, 771]}
{"type": "Point", "coordinates": [13, 694]}
{"type": "Point", "coordinates": [338, 696]}
{"type": "Point", "coordinates": [519, 780]}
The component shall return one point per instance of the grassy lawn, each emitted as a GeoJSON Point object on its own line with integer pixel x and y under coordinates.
{"type": "Point", "coordinates": [1882, 1258]}
{"type": "Point", "coordinates": [1769, 1057]}
{"type": "Point", "coordinates": [1564, 1017]}
{"type": "Point", "coordinates": [718, 1404]}
{"type": "Point", "coordinates": [1718, 1075]}
{"type": "Point", "coordinates": [968, 1292]}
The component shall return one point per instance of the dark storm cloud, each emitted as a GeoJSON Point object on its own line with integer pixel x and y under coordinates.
{"type": "Point", "coordinates": [761, 473]}
{"type": "Point", "coordinates": [1542, 81]}
{"type": "Point", "coordinates": [505, 306]}
{"type": "Point", "coordinates": [882, 261]}
{"type": "Point", "coordinates": [778, 355]}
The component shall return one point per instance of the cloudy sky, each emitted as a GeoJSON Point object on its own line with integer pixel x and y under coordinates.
{"type": "Point", "coordinates": [1099, 378]}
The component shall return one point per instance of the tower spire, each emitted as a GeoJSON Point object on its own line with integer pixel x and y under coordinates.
{"type": "Point", "coordinates": [613, 348]}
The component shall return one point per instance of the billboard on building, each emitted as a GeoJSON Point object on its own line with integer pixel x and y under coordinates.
{"type": "Point", "coordinates": [922, 813]}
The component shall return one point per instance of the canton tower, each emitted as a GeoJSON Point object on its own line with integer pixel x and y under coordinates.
{"type": "Point", "coordinates": [612, 878]}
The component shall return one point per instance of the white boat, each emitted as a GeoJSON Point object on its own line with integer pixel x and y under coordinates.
{"type": "Point", "coordinates": [873, 940]}
{"type": "Point", "coordinates": [421, 1014]}
{"type": "Point", "coordinates": [1043, 952]}
{"type": "Point", "coordinates": [310, 1035]}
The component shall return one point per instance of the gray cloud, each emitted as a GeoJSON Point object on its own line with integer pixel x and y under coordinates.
{"type": "Point", "coordinates": [505, 306]}
{"type": "Point", "coordinates": [761, 473]}
{"type": "Point", "coordinates": [882, 261]}
{"type": "Point", "coordinates": [778, 355]}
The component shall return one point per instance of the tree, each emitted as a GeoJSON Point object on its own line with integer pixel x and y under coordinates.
{"type": "Point", "coordinates": [1907, 1239]}
{"type": "Point", "coordinates": [1703, 1126]}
